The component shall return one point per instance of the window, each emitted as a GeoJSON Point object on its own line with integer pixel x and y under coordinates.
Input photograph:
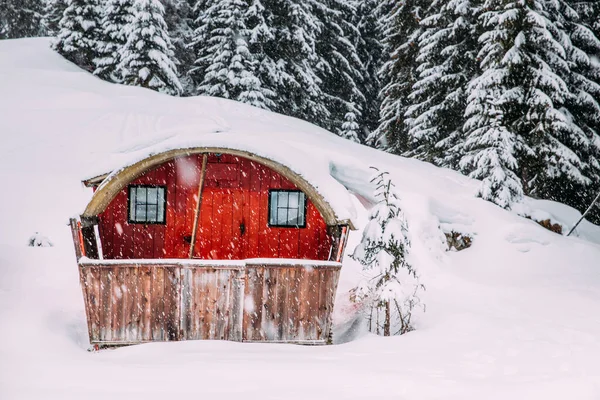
{"type": "Point", "coordinates": [147, 204]}
{"type": "Point", "coordinates": [287, 208]}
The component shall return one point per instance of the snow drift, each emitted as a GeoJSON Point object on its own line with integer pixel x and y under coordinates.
{"type": "Point", "coordinates": [513, 316]}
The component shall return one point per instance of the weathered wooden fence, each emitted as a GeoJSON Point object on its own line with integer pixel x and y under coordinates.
{"type": "Point", "coordinates": [134, 301]}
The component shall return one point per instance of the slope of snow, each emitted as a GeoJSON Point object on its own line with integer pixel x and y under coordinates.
{"type": "Point", "coordinates": [514, 316]}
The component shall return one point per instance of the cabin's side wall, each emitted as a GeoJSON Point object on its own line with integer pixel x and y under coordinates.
{"type": "Point", "coordinates": [233, 218]}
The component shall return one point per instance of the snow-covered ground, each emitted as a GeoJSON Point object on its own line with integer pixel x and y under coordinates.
{"type": "Point", "coordinates": [514, 316]}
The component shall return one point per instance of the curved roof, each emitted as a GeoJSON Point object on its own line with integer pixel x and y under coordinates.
{"type": "Point", "coordinates": [320, 187]}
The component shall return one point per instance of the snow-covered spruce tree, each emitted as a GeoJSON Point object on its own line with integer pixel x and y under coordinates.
{"type": "Point", "coordinates": [339, 66]}
{"type": "Point", "coordinates": [369, 49]}
{"type": "Point", "coordinates": [350, 127]}
{"type": "Point", "coordinates": [446, 65]}
{"type": "Point", "coordinates": [582, 108]}
{"type": "Point", "coordinates": [283, 38]}
{"type": "Point", "coordinates": [53, 13]}
{"type": "Point", "coordinates": [225, 67]}
{"type": "Point", "coordinates": [179, 17]}
{"type": "Point", "coordinates": [21, 18]}
{"type": "Point", "coordinates": [401, 30]}
{"type": "Point", "coordinates": [79, 32]}
{"type": "Point", "coordinates": [391, 287]}
{"type": "Point", "coordinates": [147, 59]}
{"type": "Point", "coordinates": [118, 14]}
{"type": "Point", "coordinates": [515, 128]}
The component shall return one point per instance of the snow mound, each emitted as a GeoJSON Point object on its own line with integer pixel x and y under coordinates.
{"type": "Point", "coordinates": [513, 316]}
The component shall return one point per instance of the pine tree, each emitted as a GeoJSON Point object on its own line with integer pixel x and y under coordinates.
{"type": "Point", "coordinates": [118, 14]}
{"type": "Point", "coordinates": [339, 67]}
{"type": "Point", "coordinates": [225, 66]}
{"type": "Point", "coordinates": [392, 283]}
{"type": "Point", "coordinates": [283, 37]}
{"type": "Point", "coordinates": [79, 32]}
{"type": "Point", "coordinates": [401, 30]}
{"type": "Point", "coordinates": [350, 127]}
{"type": "Point", "coordinates": [516, 131]}
{"type": "Point", "coordinates": [147, 59]}
{"type": "Point", "coordinates": [21, 18]}
{"type": "Point", "coordinates": [582, 107]}
{"type": "Point", "coordinates": [369, 50]}
{"type": "Point", "coordinates": [446, 64]}
{"type": "Point", "coordinates": [53, 13]}
{"type": "Point", "coordinates": [179, 17]}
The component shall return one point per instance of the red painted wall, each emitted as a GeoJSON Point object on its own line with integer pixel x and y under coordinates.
{"type": "Point", "coordinates": [235, 192]}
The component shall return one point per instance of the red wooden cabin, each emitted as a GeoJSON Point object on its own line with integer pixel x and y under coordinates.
{"type": "Point", "coordinates": [208, 243]}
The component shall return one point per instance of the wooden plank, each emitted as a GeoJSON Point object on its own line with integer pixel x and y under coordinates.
{"type": "Point", "coordinates": [253, 304]}
{"type": "Point", "coordinates": [210, 290]}
{"type": "Point", "coordinates": [105, 303]}
{"type": "Point", "coordinates": [187, 304]}
{"type": "Point", "coordinates": [171, 216]}
{"type": "Point", "coordinates": [237, 238]}
{"type": "Point", "coordinates": [227, 233]}
{"type": "Point", "coordinates": [313, 278]}
{"type": "Point", "coordinates": [269, 317]}
{"type": "Point", "coordinates": [158, 303]}
{"type": "Point", "coordinates": [134, 309]}
{"type": "Point", "coordinates": [293, 302]}
{"type": "Point", "coordinates": [117, 304]}
{"type": "Point", "coordinates": [126, 302]}
{"type": "Point", "coordinates": [236, 316]}
{"type": "Point", "coordinates": [146, 298]}
{"type": "Point", "coordinates": [172, 303]}
{"type": "Point", "coordinates": [217, 225]}
{"type": "Point", "coordinates": [222, 306]}
{"type": "Point", "coordinates": [282, 303]}
{"type": "Point", "coordinates": [303, 296]}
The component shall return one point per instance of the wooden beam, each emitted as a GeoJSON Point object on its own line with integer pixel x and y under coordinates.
{"type": "Point", "coordinates": [198, 204]}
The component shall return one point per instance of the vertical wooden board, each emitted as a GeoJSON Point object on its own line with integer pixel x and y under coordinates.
{"type": "Point", "coordinates": [293, 302]}
{"type": "Point", "coordinates": [117, 304]}
{"type": "Point", "coordinates": [303, 296]}
{"type": "Point", "coordinates": [85, 290]}
{"type": "Point", "coordinates": [324, 242]}
{"type": "Point", "coordinates": [312, 321]}
{"type": "Point", "coordinates": [106, 228]}
{"type": "Point", "coordinates": [186, 321]}
{"type": "Point", "coordinates": [217, 230]}
{"type": "Point", "coordinates": [105, 304]}
{"type": "Point", "coordinates": [158, 303]}
{"type": "Point", "coordinates": [146, 298]}
{"type": "Point", "coordinates": [125, 313]}
{"type": "Point", "coordinates": [134, 306]}
{"type": "Point", "coordinates": [237, 239]}
{"type": "Point", "coordinates": [283, 283]}
{"type": "Point", "coordinates": [325, 304]}
{"type": "Point", "coordinates": [208, 326]}
{"type": "Point", "coordinates": [265, 248]}
{"type": "Point", "coordinates": [253, 304]}
{"type": "Point", "coordinates": [223, 304]}
{"type": "Point", "coordinates": [253, 225]}
{"type": "Point", "coordinates": [171, 216]}
{"type": "Point", "coordinates": [202, 284]}
{"type": "Point", "coordinates": [92, 279]}
{"type": "Point", "coordinates": [205, 225]}
{"type": "Point", "coordinates": [227, 233]}
{"type": "Point", "coordinates": [122, 230]}
{"type": "Point", "coordinates": [236, 316]}
{"type": "Point", "coordinates": [181, 199]}
{"type": "Point", "coordinates": [172, 303]}
{"type": "Point", "coordinates": [269, 317]}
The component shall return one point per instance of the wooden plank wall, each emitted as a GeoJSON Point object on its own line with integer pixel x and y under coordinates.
{"type": "Point", "coordinates": [236, 193]}
{"type": "Point", "coordinates": [128, 304]}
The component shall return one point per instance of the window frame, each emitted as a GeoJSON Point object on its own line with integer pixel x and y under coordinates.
{"type": "Point", "coordinates": [164, 214]}
{"type": "Point", "coordinates": [269, 209]}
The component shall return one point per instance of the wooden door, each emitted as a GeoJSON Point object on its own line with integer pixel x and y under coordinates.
{"type": "Point", "coordinates": [221, 226]}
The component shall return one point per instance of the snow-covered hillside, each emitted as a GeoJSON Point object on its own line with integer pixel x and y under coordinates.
{"type": "Point", "coordinates": [514, 316]}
